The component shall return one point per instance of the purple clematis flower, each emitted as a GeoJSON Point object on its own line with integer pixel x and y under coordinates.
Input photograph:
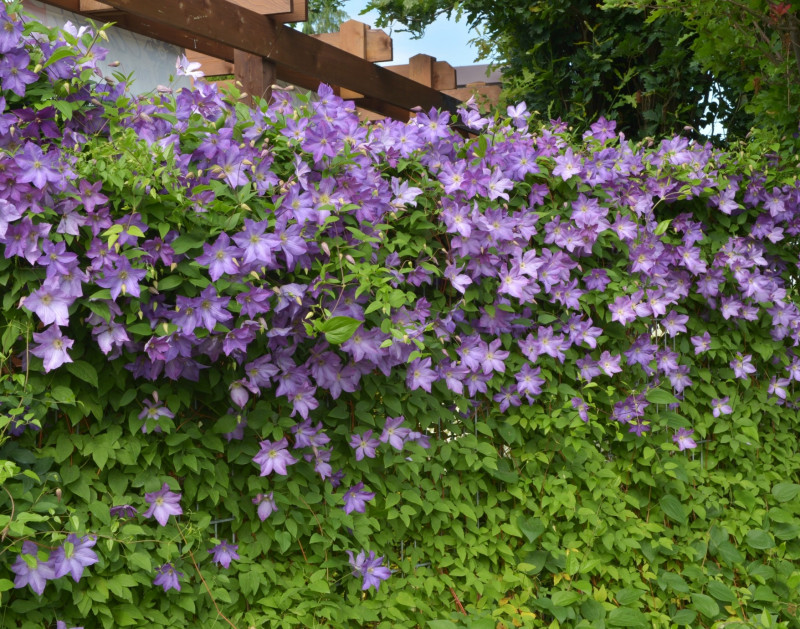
{"type": "Point", "coordinates": [73, 556]}
{"type": "Point", "coordinates": [224, 553]}
{"type": "Point", "coordinates": [163, 503]}
{"type": "Point", "coordinates": [583, 409]}
{"type": "Point", "coordinates": [50, 304]}
{"type": "Point", "coordinates": [741, 365]}
{"type": "Point", "coordinates": [123, 511]}
{"type": "Point", "coordinates": [720, 406]}
{"type": "Point", "coordinates": [394, 433]}
{"type": "Point", "coordinates": [364, 445]}
{"type": "Point", "coordinates": [221, 258]}
{"type": "Point", "coordinates": [167, 577]}
{"type": "Point", "coordinates": [14, 73]}
{"type": "Point", "coordinates": [266, 505]}
{"type": "Point", "coordinates": [609, 363]}
{"type": "Point", "coordinates": [683, 437]}
{"type": "Point", "coordinates": [355, 499]}
{"type": "Point", "coordinates": [274, 457]}
{"type": "Point", "coordinates": [701, 343]}
{"type": "Point", "coordinates": [30, 570]}
{"type": "Point", "coordinates": [369, 568]}
{"type": "Point", "coordinates": [123, 278]}
{"type": "Point", "coordinates": [52, 348]}
{"type": "Point", "coordinates": [420, 375]}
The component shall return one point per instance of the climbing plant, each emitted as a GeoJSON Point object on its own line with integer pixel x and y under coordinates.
{"type": "Point", "coordinates": [279, 367]}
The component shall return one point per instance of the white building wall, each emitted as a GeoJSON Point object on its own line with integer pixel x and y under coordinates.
{"type": "Point", "coordinates": [152, 62]}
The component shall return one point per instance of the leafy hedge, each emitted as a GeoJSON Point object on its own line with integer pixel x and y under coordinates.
{"type": "Point", "coordinates": [277, 367]}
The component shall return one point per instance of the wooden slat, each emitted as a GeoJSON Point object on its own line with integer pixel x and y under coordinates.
{"type": "Point", "coordinates": [490, 94]}
{"type": "Point", "coordinates": [299, 13]}
{"type": "Point", "coordinates": [425, 69]}
{"type": "Point", "coordinates": [444, 76]}
{"type": "Point", "coordinates": [420, 69]}
{"type": "Point", "coordinates": [360, 40]}
{"type": "Point", "coordinates": [379, 46]}
{"type": "Point", "coordinates": [210, 66]}
{"type": "Point", "coordinates": [92, 6]}
{"type": "Point", "coordinates": [233, 26]}
{"type": "Point", "coordinates": [265, 7]}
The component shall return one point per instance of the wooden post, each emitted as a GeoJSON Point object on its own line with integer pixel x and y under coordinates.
{"type": "Point", "coordinates": [256, 75]}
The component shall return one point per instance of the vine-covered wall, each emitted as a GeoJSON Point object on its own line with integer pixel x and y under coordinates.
{"type": "Point", "coordinates": [278, 367]}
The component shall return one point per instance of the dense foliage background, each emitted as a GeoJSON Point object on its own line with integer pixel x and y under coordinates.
{"type": "Point", "coordinates": [718, 66]}
{"type": "Point", "coordinates": [277, 367]}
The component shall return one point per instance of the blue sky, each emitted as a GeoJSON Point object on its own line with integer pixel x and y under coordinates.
{"type": "Point", "coordinates": [445, 40]}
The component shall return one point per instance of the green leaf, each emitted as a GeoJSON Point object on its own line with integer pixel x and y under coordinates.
{"type": "Point", "coordinates": [63, 395]}
{"type": "Point", "coordinates": [626, 617]}
{"type": "Point", "coordinates": [337, 330]}
{"type": "Point", "coordinates": [705, 605]}
{"type": "Point", "coordinates": [626, 596]}
{"type": "Point", "coordinates": [321, 587]}
{"type": "Point", "coordinates": [593, 610]}
{"type": "Point", "coordinates": [64, 448]}
{"type": "Point", "coordinates": [83, 370]}
{"type": "Point", "coordinates": [126, 615]}
{"type": "Point", "coordinates": [140, 560]}
{"type": "Point", "coordinates": [670, 581]}
{"type": "Point", "coordinates": [729, 553]}
{"type": "Point", "coordinates": [566, 598]}
{"type": "Point", "coordinates": [673, 508]}
{"type": "Point", "coordinates": [660, 396]}
{"type": "Point", "coordinates": [184, 243]}
{"type": "Point", "coordinates": [100, 456]}
{"type": "Point", "coordinates": [404, 598]}
{"type": "Point", "coordinates": [532, 528]}
{"type": "Point", "coordinates": [442, 624]}
{"type": "Point", "coordinates": [721, 592]}
{"type": "Point", "coordinates": [100, 308]}
{"type": "Point", "coordinates": [169, 282]}
{"type": "Point", "coordinates": [685, 617]}
{"type": "Point", "coordinates": [58, 55]}
{"type": "Point", "coordinates": [784, 492]}
{"type": "Point", "coordinates": [133, 230]}
{"type": "Point", "coordinates": [662, 227]}
{"type": "Point", "coordinates": [759, 539]}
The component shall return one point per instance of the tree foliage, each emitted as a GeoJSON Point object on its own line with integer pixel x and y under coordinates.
{"type": "Point", "coordinates": [277, 367]}
{"type": "Point", "coordinates": [325, 16]}
{"type": "Point", "coordinates": [719, 67]}
{"type": "Point", "coordinates": [753, 43]}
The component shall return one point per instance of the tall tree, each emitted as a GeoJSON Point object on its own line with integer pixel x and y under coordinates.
{"type": "Point", "coordinates": [579, 60]}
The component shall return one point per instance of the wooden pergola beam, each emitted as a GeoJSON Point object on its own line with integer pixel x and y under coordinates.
{"type": "Point", "coordinates": [217, 27]}
{"type": "Point", "coordinates": [263, 7]}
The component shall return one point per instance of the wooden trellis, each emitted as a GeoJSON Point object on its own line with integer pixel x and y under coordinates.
{"type": "Point", "coordinates": [248, 38]}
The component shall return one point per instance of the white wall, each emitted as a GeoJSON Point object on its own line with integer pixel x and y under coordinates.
{"type": "Point", "coordinates": [152, 62]}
